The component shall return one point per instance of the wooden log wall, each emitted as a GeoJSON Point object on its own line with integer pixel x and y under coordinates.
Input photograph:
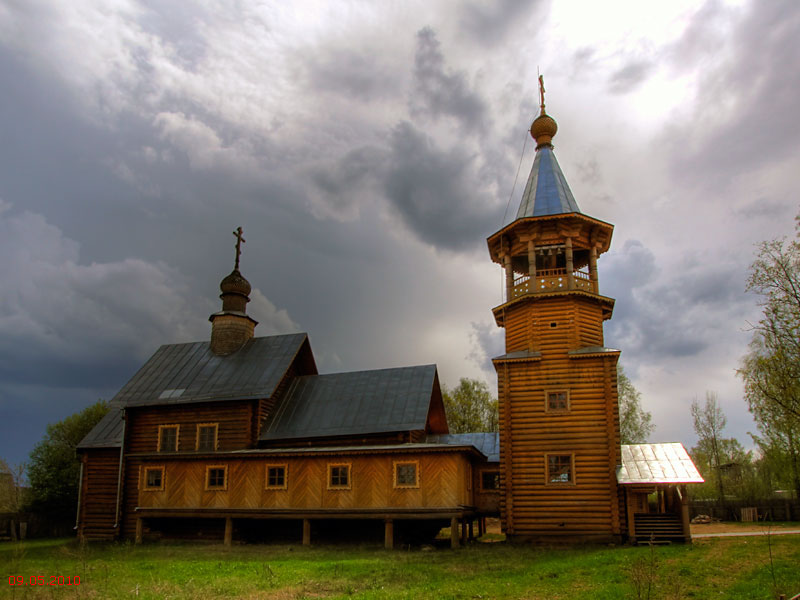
{"type": "Point", "coordinates": [444, 482]}
{"type": "Point", "coordinates": [98, 493]}
{"type": "Point", "coordinates": [591, 506]}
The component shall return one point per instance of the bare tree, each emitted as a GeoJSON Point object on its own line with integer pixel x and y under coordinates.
{"type": "Point", "coordinates": [709, 421]}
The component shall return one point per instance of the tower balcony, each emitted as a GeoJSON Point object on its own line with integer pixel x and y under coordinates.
{"type": "Point", "coordinates": [551, 280]}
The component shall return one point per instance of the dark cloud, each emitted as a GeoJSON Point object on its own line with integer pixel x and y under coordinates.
{"type": "Point", "coordinates": [489, 23]}
{"type": "Point", "coordinates": [676, 314]}
{"type": "Point", "coordinates": [440, 92]}
{"type": "Point", "coordinates": [358, 74]}
{"type": "Point", "coordinates": [435, 192]}
{"type": "Point", "coordinates": [630, 76]}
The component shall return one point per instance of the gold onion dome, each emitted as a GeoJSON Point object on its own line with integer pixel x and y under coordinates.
{"type": "Point", "coordinates": [235, 283]}
{"type": "Point", "coordinates": [543, 129]}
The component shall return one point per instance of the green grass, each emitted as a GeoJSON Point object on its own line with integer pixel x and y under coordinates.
{"type": "Point", "coordinates": [712, 568]}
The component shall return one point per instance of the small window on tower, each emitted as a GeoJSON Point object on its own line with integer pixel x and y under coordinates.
{"type": "Point", "coordinates": [560, 468]}
{"type": "Point", "coordinates": [558, 401]}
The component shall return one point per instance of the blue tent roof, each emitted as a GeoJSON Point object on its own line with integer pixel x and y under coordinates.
{"type": "Point", "coordinates": [547, 191]}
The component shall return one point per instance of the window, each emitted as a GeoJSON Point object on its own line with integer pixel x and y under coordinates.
{"type": "Point", "coordinates": [206, 437]}
{"type": "Point", "coordinates": [557, 401]}
{"type": "Point", "coordinates": [339, 476]}
{"type": "Point", "coordinates": [217, 477]}
{"type": "Point", "coordinates": [168, 438]}
{"type": "Point", "coordinates": [406, 474]}
{"type": "Point", "coordinates": [153, 479]}
{"type": "Point", "coordinates": [490, 481]}
{"type": "Point", "coordinates": [560, 468]}
{"type": "Point", "coordinates": [276, 477]}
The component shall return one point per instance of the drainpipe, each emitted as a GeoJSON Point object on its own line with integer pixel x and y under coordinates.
{"type": "Point", "coordinates": [80, 490]}
{"type": "Point", "coordinates": [119, 474]}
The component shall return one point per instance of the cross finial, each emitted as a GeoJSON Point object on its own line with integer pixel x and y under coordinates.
{"type": "Point", "coordinates": [541, 93]}
{"type": "Point", "coordinates": [239, 241]}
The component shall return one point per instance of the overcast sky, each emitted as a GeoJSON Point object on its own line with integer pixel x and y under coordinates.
{"type": "Point", "coordinates": [368, 149]}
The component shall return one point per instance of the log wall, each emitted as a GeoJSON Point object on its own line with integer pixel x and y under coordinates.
{"type": "Point", "coordinates": [98, 506]}
{"type": "Point", "coordinates": [591, 506]}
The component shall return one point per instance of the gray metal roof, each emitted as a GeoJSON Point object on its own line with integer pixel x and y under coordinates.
{"type": "Point", "coordinates": [657, 463]}
{"type": "Point", "coordinates": [108, 431]}
{"type": "Point", "coordinates": [547, 191]}
{"type": "Point", "coordinates": [361, 402]}
{"type": "Point", "coordinates": [487, 443]}
{"type": "Point", "coordinates": [183, 373]}
{"type": "Point", "coordinates": [519, 355]}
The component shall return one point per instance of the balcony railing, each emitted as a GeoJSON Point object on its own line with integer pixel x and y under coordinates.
{"type": "Point", "coordinates": [548, 280]}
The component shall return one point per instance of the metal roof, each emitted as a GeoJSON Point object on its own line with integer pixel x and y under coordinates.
{"type": "Point", "coordinates": [184, 373]}
{"type": "Point", "coordinates": [361, 402]}
{"type": "Point", "coordinates": [547, 191]}
{"type": "Point", "coordinates": [487, 443]}
{"type": "Point", "coordinates": [657, 463]}
{"type": "Point", "coordinates": [108, 431]}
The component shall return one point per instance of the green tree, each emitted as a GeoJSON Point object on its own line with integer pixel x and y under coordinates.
{"type": "Point", "coordinates": [709, 421]}
{"type": "Point", "coordinates": [53, 468]}
{"type": "Point", "coordinates": [470, 407]}
{"type": "Point", "coordinates": [771, 368]}
{"type": "Point", "coordinates": [635, 423]}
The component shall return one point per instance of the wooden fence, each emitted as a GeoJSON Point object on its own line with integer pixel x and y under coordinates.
{"type": "Point", "coordinates": [731, 510]}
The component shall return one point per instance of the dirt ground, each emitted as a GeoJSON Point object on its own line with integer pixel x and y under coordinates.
{"type": "Point", "coordinates": [740, 527]}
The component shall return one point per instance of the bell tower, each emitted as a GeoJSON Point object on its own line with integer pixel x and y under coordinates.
{"type": "Point", "coordinates": [557, 382]}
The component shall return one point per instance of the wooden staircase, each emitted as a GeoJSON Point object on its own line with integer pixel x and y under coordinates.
{"type": "Point", "coordinates": [659, 528]}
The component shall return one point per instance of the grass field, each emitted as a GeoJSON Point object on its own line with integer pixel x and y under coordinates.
{"type": "Point", "coordinates": [711, 568]}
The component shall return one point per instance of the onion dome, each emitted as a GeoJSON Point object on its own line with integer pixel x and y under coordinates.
{"type": "Point", "coordinates": [235, 283]}
{"type": "Point", "coordinates": [543, 129]}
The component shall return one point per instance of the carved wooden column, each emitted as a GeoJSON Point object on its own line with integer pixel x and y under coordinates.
{"type": "Point", "coordinates": [593, 269]}
{"type": "Point", "coordinates": [509, 277]}
{"type": "Point", "coordinates": [531, 261]}
{"type": "Point", "coordinates": [570, 264]}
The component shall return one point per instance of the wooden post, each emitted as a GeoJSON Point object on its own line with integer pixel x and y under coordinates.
{"type": "Point", "coordinates": [306, 532]}
{"type": "Point", "coordinates": [463, 531]}
{"type": "Point", "coordinates": [531, 262]}
{"type": "Point", "coordinates": [593, 269]}
{"type": "Point", "coordinates": [509, 277]}
{"type": "Point", "coordinates": [454, 532]}
{"type": "Point", "coordinates": [687, 529]}
{"type": "Point", "coordinates": [139, 527]}
{"type": "Point", "coordinates": [630, 513]}
{"type": "Point", "coordinates": [471, 533]}
{"type": "Point", "coordinates": [570, 265]}
{"type": "Point", "coordinates": [228, 531]}
{"type": "Point", "coordinates": [480, 527]}
{"type": "Point", "coordinates": [388, 534]}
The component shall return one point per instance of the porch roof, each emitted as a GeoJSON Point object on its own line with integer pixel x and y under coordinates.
{"type": "Point", "coordinates": [656, 463]}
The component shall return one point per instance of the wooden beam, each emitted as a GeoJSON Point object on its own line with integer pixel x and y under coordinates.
{"type": "Point", "coordinates": [306, 532]}
{"type": "Point", "coordinates": [228, 531]}
{"type": "Point", "coordinates": [454, 533]}
{"type": "Point", "coordinates": [388, 529]}
{"type": "Point", "coordinates": [139, 525]}
{"type": "Point", "coordinates": [687, 530]}
{"type": "Point", "coordinates": [463, 531]}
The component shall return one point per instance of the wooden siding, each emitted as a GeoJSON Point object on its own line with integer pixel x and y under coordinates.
{"type": "Point", "coordinates": [98, 493]}
{"type": "Point", "coordinates": [592, 506]}
{"type": "Point", "coordinates": [235, 419]}
{"type": "Point", "coordinates": [443, 483]}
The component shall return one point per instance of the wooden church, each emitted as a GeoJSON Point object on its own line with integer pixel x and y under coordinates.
{"type": "Point", "coordinates": [240, 437]}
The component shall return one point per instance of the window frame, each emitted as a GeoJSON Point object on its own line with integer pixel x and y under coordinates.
{"type": "Point", "coordinates": [207, 484]}
{"type": "Point", "coordinates": [547, 477]}
{"type": "Point", "coordinates": [285, 467]}
{"type": "Point", "coordinates": [197, 437]}
{"type": "Point", "coordinates": [405, 463]}
{"type": "Point", "coordinates": [177, 429]}
{"type": "Point", "coordinates": [568, 401]}
{"type": "Point", "coordinates": [147, 488]}
{"type": "Point", "coordinates": [349, 484]}
{"type": "Point", "coordinates": [483, 472]}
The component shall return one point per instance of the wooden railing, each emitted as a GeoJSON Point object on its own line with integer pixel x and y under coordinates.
{"type": "Point", "coordinates": [548, 280]}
